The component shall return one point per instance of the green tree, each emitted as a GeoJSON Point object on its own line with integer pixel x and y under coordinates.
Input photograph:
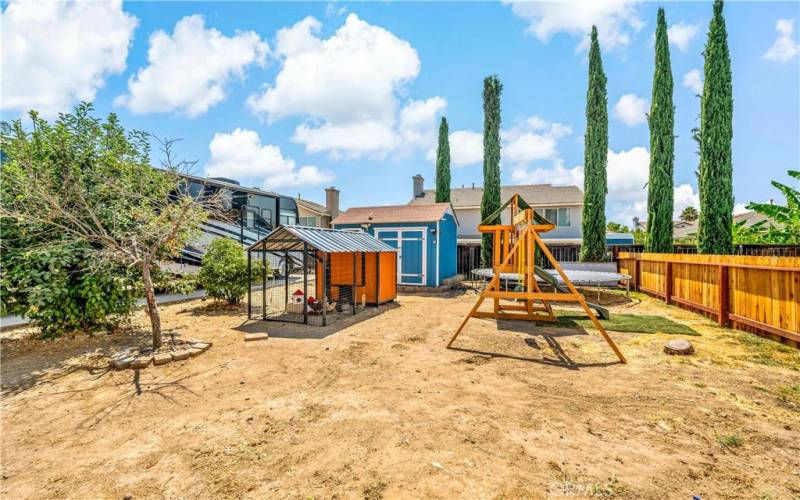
{"type": "Point", "coordinates": [715, 232]}
{"type": "Point", "coordinates": [490, 202]}
{"type": "Point", "coordinates": [616, 227]}
{"type": "Point", "coordinates": [443, 164]}
{"type": "Point", "coordinates": [784, 221]}
{"type": "Point", "coordinates": [595, 159]}
{"type": "Point", "coordinates": [662, 147]}
{"type": "Point", "coordinates": [88, 184]}
{"type": "Point", "coordinates": [689, 214]}
{"type": "Point", "coordinates": [224, 271]}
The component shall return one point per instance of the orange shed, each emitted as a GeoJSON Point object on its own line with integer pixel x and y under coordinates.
{"type": "Point", "coordinates": [310, 275]}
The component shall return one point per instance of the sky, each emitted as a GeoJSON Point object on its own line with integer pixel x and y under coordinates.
{"type": "Point", "coordinates": [294, 97]}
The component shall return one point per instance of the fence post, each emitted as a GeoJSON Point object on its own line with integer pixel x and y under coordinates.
{"type": "Point", "coordinates": [723, 295]}
{"type": "Point", "coordinates": [637, 274]}
{"type": "Point", "coordinates": [668, 282]}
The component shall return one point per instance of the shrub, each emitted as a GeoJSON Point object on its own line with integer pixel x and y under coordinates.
{"type": "Point", "coordinates": [58, 291]}
{"type": "Point", "coordinates": [224, 271]}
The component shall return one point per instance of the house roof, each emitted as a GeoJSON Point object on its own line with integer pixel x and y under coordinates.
{"type": "Point", "coordinates": [293, 238]}
{"type": "Point", "coordinates": [534, 194]}
{"type": "Point", "coordinates": [393, 213]}
{"type": "Point", "coordinates": [314, 207]}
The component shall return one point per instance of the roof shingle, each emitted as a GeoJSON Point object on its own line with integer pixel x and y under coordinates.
{"type": "Point", "coordinates": [534, 194]}
{"type": "Point", "coordinates": [392, 213]}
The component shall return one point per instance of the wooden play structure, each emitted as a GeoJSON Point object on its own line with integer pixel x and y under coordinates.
{"type": "Point", "coordinates": [514, 251]}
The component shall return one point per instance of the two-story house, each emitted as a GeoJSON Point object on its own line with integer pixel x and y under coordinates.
{"type": "Point", "coordinates": [311, 214]}
{"type": "Point", "coordinates": [562, 205]}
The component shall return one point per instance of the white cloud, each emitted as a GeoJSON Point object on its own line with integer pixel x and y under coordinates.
{"type": "Point", "coordinates": [417, 124]}
{"type": "Point", "coordinates": [188, 70]}
{"type": "Point", "coordinates": [241, 156]}
{"type": "Point", "coordinates": [681, 34]}
{"type": "Point", "coordinates": [693, 80]}
{"type": "Point", "coordinates": [57, 53]}
{"type": "Point", "coordinates": [347, 87]}
{"type": "Point", "coordinates": [785, 47]}
{"type": "Point", "coordinates": [557, 176]}
{"type": "Point", "coordinates": [616, 21]}
{"type": "Point", "coordinates": [631, 110]}
{"type": "Point", "coordinates": [738, 208]}
{"type": "Point", "coordinates": [466, 148]}
{"type": "Point", "coordinates": [531, 140]}
{"type": "Point", "coordinates": [628, 173]}
{"type": "Point", "coordinates": [300, 38]}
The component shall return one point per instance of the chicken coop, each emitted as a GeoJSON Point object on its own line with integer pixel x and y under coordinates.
{"type": "Point", "coordinates": [313, 276]}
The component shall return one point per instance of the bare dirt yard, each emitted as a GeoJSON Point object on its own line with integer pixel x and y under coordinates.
{"type": "Point", "coordinates": [377, 407]}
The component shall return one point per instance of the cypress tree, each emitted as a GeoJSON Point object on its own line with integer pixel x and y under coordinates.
{"type": "Point", "coordinates": [443, 164]}
{"type": "Point", "coordinates": [660, 192]}
{"type": "Point", "coordinates": [595, 159]}
{"type": "Point", "coordinates": [492, 88]}
{"type": "Point", "coordinates": [715, 179]}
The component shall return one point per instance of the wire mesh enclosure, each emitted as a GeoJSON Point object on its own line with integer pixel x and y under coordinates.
{"type": "Point", "coordinates": [314, 276]}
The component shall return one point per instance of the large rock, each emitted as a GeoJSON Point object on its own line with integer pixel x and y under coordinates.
{"type": "Point", "coordinates": [679, 346]}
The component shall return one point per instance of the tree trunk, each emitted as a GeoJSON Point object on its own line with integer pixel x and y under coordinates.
{"type": "Point", "coordinates": [152, 309]}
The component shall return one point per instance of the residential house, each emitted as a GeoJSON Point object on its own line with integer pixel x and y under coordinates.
{"type": "Point", "coordinates": [311, 214]}
{"type": "Point", "coordinates": [561, 205]}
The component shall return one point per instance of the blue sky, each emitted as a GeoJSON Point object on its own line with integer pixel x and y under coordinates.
{"type": "Point", "coordinates": [296, 96]}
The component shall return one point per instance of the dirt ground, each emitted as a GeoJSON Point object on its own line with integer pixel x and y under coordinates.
{"type": "Point", "coordinates": [377, 407]}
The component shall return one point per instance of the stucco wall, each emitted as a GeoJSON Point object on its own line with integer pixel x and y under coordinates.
{"type": "Point", "coordinates": [470, 218]}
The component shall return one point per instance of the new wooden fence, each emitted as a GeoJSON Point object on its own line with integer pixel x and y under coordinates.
{"type": "Point", "coordinates": [757, 294]}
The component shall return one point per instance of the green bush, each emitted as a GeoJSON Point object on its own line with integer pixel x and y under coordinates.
{"type": "Point", "coordinates": [58, 291]}
{"type": "Point", "coordinates": [224, 271]}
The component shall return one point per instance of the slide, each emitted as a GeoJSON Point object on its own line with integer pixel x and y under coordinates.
{"type": "Point", "coordinates": [553, 281]}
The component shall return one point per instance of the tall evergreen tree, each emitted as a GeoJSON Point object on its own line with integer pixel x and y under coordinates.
{"type": "Point", "coordinates": [443, 164]}
{"type": "Point", "coordinates": [660, 192]}
{"type": "Point", "coordinates": [715, 234]}
{"type": "Point", "coordinates": [492, 88]}
{"type": "Point", "coordinates": [595, 159]}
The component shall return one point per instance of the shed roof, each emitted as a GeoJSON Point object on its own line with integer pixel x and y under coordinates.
{"type": "Point", "coordinates": [393, 213]}
{"type": "Point", "coordinates": [292, 238]}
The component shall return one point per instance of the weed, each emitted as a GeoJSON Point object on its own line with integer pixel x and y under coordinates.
{"type": "Point", "coordinates": [730, 441]}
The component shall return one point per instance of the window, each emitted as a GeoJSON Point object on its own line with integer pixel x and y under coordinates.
{"type": "Point", "coordinates": [309, 221]}
{"type": "Point", "coordinates": [563, 217]}
{"type": "Point", "coordinates": [558, 216]}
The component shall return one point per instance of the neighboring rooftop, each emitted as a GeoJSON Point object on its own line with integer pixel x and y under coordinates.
{"type": "Point", "coordinates": [393, 213]}
{"type": "Point", "coordinates": [314, 207]}
{"type": "Point", "coordinates": [534, 194]}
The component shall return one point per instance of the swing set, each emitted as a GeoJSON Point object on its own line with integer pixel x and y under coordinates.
{"type": "Point", "coordinates": [514, 251]}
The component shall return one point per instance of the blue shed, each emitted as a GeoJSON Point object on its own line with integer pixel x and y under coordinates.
{"type": "Point", "coordinates": [425, 236]}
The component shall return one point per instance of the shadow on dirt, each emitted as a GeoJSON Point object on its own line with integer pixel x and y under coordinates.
{"type": "Point", "coordinates": [336, 322]}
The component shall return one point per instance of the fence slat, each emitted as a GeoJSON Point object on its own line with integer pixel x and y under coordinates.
{"type": "Point", "coordinates": [759, 294]}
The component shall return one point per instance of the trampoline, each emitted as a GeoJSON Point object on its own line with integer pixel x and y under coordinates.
{"type": "Point", "coordinates": [577, 277]}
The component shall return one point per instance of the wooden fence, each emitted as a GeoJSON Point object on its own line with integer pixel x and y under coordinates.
{"type": "Point", "coordinates": [757, 294]}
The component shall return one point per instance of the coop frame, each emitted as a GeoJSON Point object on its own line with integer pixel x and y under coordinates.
{"type": "Point", "coordinates": [311, 249]}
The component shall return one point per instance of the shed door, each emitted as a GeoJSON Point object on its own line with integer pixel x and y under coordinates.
{"type": "Point", "coordinates": [411, 253]}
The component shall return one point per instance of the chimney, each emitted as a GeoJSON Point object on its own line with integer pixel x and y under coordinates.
{"type": "Point", "coordinates": [332, 201]}
{"type": "Point", "coordinates": [419, 186]}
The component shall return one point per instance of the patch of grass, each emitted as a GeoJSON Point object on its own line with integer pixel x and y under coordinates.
{"type": "Point", "coordinates": [730, 441]}
{"type": "Point", "coordinates": [769, 352]}
{"type": "Point", "coordinates": [789, 395]}
{"type": "Point", "coordinates": [631, 323]}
